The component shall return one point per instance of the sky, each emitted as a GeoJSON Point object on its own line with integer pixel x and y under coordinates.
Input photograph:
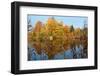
{"type": "Point", "coordinates": [76, 21]}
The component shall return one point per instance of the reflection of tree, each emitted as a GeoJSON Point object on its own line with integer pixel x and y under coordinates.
{"type": "Point", "coordinates": [85, 52]}
{"type": "Point", "coordinates": [73, 50]}
{"type": "Point", "coordinates": [78, 45]}
{"type": "Point", "coordinates": [53, 37]}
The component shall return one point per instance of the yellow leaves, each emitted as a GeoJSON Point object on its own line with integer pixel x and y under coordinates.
{"type": "Point", "coordinates": [51, 37]}
{"type": "Point", "coordinates": [30, 37]}
{"type": "Point", "coordinates": [51, 21]}
{"type": "Point", "coordinates": [78, 30]}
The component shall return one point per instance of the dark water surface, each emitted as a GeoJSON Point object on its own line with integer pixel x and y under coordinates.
{"type": "Point", "coordinates": [72, 51]}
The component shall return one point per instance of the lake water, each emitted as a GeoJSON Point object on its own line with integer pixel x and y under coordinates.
{"type": "Point", "coordinates": [75, 52]}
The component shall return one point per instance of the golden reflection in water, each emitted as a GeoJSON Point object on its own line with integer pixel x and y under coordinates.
{"type": "Point", "coordinates": [51, 48]}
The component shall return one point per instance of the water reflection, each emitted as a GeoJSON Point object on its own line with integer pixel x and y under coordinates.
{"type": "Point", "coordinates": [74, 49]}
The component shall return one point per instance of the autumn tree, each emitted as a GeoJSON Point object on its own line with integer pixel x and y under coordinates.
{"type": "Point", "coordinates": [71, 28]}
